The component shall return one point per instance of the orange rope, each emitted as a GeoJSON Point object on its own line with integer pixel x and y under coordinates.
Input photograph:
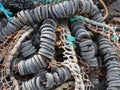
{"type": "Point", "coordinates": [105, 8]}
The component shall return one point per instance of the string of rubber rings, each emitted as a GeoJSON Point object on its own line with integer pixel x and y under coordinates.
{"type": "Point", "coordinates": [31, 60]}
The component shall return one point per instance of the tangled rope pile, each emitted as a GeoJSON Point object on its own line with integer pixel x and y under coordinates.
{"type": "Point", "coordinates": [58, 45]}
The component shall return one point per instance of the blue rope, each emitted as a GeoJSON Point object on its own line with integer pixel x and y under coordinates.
{"type": "Point", "coordinates": [7, 13]}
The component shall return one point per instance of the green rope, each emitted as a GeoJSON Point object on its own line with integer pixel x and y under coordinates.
{"type": "Point", "coordinates": [47, 1]}
{"type": "Point", "coordinates": [33, 1]}
{"type": "Point", "coordinates": [115, 28]}
{"type": "Point", "coordinates": [71, 40]}
{"type": "Point", "coordinates": [57, 1]}
{"type": "Point", "coordinates": [114, 36]}
{"type": "Point", "coordinates": [73, 18]}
